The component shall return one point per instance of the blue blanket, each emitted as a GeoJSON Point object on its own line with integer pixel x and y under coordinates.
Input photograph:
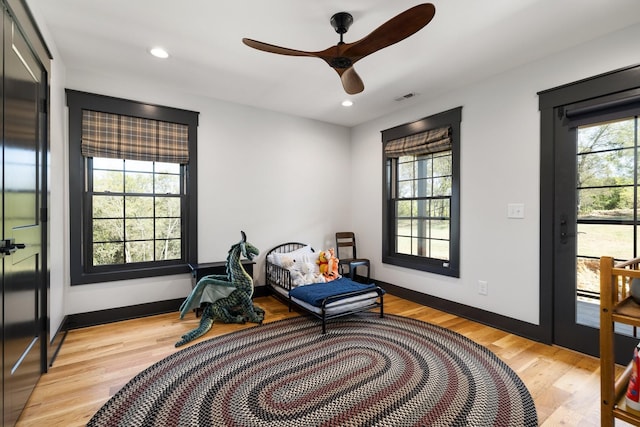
{"type": "Point", "coordinates": [315, 293]}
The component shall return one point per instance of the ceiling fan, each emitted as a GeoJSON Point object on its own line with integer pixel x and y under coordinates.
{"type": "Point", "coordinates": [342, 56]}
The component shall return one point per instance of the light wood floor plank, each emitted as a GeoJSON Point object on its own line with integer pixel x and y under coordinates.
{"type": "Point", "coordinates": [95, 362]}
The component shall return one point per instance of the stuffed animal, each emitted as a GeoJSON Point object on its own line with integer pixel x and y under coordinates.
{"type": "Point", "coordinates": [332, 265]}
{"type": "Point", "coordinates": [286, 262]}
{"type": "Point", "coordinates": [226, 298]}
{"type": "Point", "coordinates": [297, 278]}
{"type": "Point", "coordinates": [309, 270]}
{"type": "Point", "coordinates": [323, 262]}
{"type": "Point", "coordinates": [295, 272]}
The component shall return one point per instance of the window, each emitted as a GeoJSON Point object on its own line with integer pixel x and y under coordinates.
{"type": "Point", "coordinates": [133, 189]}
{"type": "Point", "coordinates": [421, 213]}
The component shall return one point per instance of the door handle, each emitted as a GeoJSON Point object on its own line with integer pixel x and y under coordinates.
{"type": "Point", "coordinates": [564, 230]}
{"type": "Point", "coordinates": [7, 246]}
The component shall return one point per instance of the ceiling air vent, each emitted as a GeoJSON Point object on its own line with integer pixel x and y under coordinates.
{"type": "Point", "coordinates": [406, 96]}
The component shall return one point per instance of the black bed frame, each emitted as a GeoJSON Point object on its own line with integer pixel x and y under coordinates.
{"type": "Point", "coordinates": [278, 277]}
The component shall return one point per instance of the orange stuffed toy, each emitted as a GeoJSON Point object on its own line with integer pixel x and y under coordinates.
{"type": "Point", "coordinates": [332, 265]}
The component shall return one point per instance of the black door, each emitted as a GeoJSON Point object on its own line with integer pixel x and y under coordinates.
{"type": "Point", "coordinates": [596, 214]}
{"type": "Point", "coordinates": [23, 142]}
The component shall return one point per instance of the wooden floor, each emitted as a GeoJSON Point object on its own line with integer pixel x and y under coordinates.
{"type": "Point", "coordinates": [94, 363]}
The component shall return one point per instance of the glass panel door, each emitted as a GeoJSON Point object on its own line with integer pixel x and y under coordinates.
{"type": "Point", "coordinates": [607, 179]}
{"type": "Point", "coordinates": [596, 204]}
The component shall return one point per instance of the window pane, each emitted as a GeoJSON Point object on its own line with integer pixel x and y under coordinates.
{"type": "Point", "coordinates": [440, 230]}
{"type": "Point", "coordinates": [405, 170]}
{"type": "Point", "coordinates": [108, 253]}
{"type": "Point", "coordinates": [614, 240]}
{"type": "Point", "coordinates": [442, 186]}
{"type": "Point", "coordinates": [138, 182]}
{"type": "Point", "coordinates": [403, 208]}
{"type": "Point", "coordinates": [167, 206]}
{"type": "Point", "coordinates": [420, 247]}
{"type": "Point", "coordinates": [606, 168]}
{"type": "Point", "coordinates": [167, 184]}
{"type": "Point", "coordinates": [440, 208]}
{"type": "Point", "coordinates": [423, 208]}
{"type": "Point", "coordinates": [403, 227]}
{"type": "Point", "coordinates": [107, 181]}
{"type": "Point", "coordinates": [139, 229]}
{"type": "Point", "coordinates": [442, 164]}
{"type": "Point", "coordinates": [420, 228]}
{"type": "Point", "coordinates": [440, 249]}
{"type": "Point", "coordinates": [606, 136]}
{"type": "Point", "coordinates": [139, 207]}
{"type": "Point", "coordinates": [108, 206]}
{"type": "Point", "coordinates": [168, 249]}
{"type": "Point", "coordinates": [423, 188]}
{"type": "Point", "coordinates": [167, 167]}
{"type": "Point", "coordinates": [405, 189]}
{"type": "Point", "coordinates": [423, 167]}
{"type": "Point", "coordinates": [588, 275]}
{"type": "Point", "coordinates": [104, 163]}
{"type": "Point", "coordinates": [403, 245]}
{"type": "Point", "coordinates": [167, 228]}
{"type": "Point", "coordinates": [108, 230]}
{"type": "Point", "coordinates": [138, 165]}
{"type": "Point", "coordinates": [606, 203]}
{"type": "Point", "coordinates": [139, 251]}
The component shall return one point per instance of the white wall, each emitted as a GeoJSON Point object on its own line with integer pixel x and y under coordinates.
{"type": "Point", "coordinates": [500, 142]}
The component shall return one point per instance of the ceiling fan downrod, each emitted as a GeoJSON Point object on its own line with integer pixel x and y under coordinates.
{"type": "Point", "coordinates": [341, 22]}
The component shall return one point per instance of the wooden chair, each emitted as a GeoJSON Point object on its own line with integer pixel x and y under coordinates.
{"type": "Point", "coordinates": [346, 253]}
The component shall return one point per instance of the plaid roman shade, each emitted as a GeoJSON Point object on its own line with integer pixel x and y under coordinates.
{"type": "Point", "coordinates": [133, 138]}
{"type": "Point", "coordinates": [431, 141]}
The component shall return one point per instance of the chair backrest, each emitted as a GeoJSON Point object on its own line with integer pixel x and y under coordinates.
{"type": "Point", "coordinates": [346, 245]}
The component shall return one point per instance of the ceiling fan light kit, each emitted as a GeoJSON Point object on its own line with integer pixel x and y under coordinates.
{"type": "Point", "coordinates": [343, 56]}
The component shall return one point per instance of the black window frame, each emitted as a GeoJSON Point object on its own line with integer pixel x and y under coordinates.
{"type": "Point", "coordinates": [451, 118]}
{"type": "Point", "coordinates": [81, 269]}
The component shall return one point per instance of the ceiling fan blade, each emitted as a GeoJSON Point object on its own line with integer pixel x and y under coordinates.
{"type": "Point", "coordinates": [394, 30]}
{"type": "Point", "coordinates": [266, 47]}
{"type": "Point", "coordinates": [351, 81]}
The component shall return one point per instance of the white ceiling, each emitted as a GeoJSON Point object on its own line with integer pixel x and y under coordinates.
{"type": "Point", "coordinates": [467, 41]}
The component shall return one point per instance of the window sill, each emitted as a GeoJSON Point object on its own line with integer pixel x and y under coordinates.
{"type": "Point", "coordinates": [138, 273]}
{"type": "Point", "coordinates": [422, 264]}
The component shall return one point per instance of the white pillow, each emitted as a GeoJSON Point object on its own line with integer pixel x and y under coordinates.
{"type": "Point", "coordinates": [297, 255]}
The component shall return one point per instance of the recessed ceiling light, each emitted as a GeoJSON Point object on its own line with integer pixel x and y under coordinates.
{"type": "Point", "coordinates": [159, 52]}
{"type": "Point", "coordinates": [347, 103]}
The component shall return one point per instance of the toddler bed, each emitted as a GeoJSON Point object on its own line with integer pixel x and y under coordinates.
{"type": "Point", "coordinates": [336, 298]}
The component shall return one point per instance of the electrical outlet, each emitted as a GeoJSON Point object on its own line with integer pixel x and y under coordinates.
{"type": "Point", "coordinates": [483, 287]}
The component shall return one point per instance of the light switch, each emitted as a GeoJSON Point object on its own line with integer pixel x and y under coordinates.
{"type": "Point", "coordinates": [515, 210]}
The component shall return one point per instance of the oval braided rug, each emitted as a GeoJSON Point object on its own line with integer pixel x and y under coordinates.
{"type": "Point", "coordinates": [366, 371]}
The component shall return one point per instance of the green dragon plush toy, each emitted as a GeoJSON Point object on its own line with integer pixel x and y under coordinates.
{"type": "Point", "coordinates": [225, 297]}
